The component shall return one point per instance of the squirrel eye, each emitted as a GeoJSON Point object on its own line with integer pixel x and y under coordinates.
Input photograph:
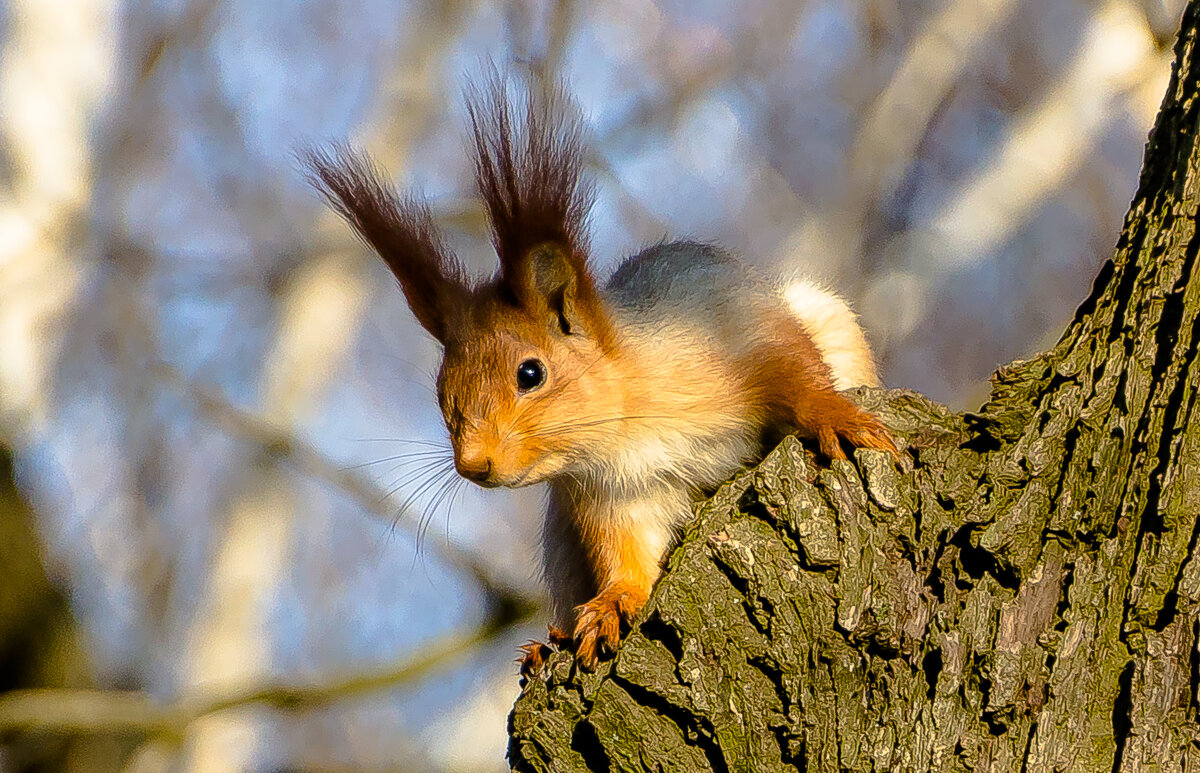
{"type": "Point", "coordinates": [530, 375]}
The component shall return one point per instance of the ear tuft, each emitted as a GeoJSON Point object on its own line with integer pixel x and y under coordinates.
{"type": "Point", "coordinates": [401, 231]}
{"type": "Point", "coordinates": [529, 166]}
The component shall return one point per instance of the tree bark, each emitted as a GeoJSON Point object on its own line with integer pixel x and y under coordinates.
{"type": "Point", "coordinates": [1025, 595]}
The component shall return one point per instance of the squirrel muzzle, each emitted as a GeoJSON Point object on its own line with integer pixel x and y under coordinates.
{"type": "Point", "coordinates": [474, 463]}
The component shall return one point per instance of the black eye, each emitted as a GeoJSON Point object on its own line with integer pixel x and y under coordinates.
{"type": "Point", "coordinates": [530, 375]}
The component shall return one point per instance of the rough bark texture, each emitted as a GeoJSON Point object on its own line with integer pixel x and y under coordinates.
{"type": "Point", "coordinates": [1023, 597]}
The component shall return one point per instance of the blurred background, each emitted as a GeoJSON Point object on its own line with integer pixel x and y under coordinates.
{"type": "Point", "coordinates": [219, 524]}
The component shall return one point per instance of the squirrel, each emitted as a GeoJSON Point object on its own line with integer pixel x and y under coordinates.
{"type": "Point", "coordinates": [631, 399]}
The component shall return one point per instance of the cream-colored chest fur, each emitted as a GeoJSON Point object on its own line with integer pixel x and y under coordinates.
{"type": "Point", "coordinates": [647, 516]}
{"type": "Point", "coordinates": [688, 420]}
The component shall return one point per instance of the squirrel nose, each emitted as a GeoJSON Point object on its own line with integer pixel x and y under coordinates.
{"type": "Point", "coordinates": [474, 464]}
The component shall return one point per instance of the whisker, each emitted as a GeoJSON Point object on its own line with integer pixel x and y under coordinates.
{"type": "Point", "coordinates": [424, 471]}
{"type": "Point", "coordinates": [413, 441]}
{"type": "Point", "coordinates": [415, 497]}
{"type": "Point", "coordinates": [427, 464]}
{"type": "Point", "coordinates": [567, 427]}
{"type": "Point", "coordinates": [423, 522]}
{"type": "Point", "coordinates": [429, 474]}
{"type": "Point", "coordinates": [447, 453]}
{"type": "Point", "coordinates": [438, 497]}
{"type": "Point", "coordinates": [428, 468]}
{"type": "Point", "coordinates": [460, 485]}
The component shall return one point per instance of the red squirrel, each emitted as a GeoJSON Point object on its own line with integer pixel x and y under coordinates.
{"type": "Point", "coordinates": [630, 398]}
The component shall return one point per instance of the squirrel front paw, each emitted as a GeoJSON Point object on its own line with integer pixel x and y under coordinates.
{"type": "Point", "coordinates": [534, 654]}
{"type": "Point", "coordinates": [598, 622]}
{"type": "Point", "coordinates": [860, 429]}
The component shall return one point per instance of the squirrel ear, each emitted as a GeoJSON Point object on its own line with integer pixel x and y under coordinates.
{"type": "Point", "coordinates": [401, 231]}
{"type": "Point", "coordinates": [552, 281]}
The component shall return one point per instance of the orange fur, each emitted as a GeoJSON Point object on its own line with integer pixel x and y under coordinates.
{"type": "Point", "coordinates": [794, 384]}
{"type": "Point", "coordinates": [598, 629]}
{"type": "Point", "coordinates": [626, 564]}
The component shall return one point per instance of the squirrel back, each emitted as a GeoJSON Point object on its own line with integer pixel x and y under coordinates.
{"type": "Point", "coordinates": [712, 290]}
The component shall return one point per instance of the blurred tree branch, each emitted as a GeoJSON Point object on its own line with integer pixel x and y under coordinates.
{"type": "Point", "coordinates": [115, 711]}
{"type": "Point", "coordinates": [39, 639]}
{"type": "Point", "coordinates": [72, 711]}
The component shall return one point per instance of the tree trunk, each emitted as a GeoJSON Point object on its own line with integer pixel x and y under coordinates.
{"type": "Point", "coordinates": [1023, 597]}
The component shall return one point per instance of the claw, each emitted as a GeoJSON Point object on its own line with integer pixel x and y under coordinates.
{"type": "Point", "coordinates": [535, 654]}
{"type": "Point", "coordinates": [864, 430]}
{"type": "Point", "coordinates": [600, 621]}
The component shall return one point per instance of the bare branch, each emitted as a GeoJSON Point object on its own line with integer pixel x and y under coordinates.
{"type": "Point", "coordinates": [113, 711]}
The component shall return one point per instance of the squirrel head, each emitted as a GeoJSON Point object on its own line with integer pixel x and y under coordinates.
{"type": "Point", "coordinates": [523, 353]}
